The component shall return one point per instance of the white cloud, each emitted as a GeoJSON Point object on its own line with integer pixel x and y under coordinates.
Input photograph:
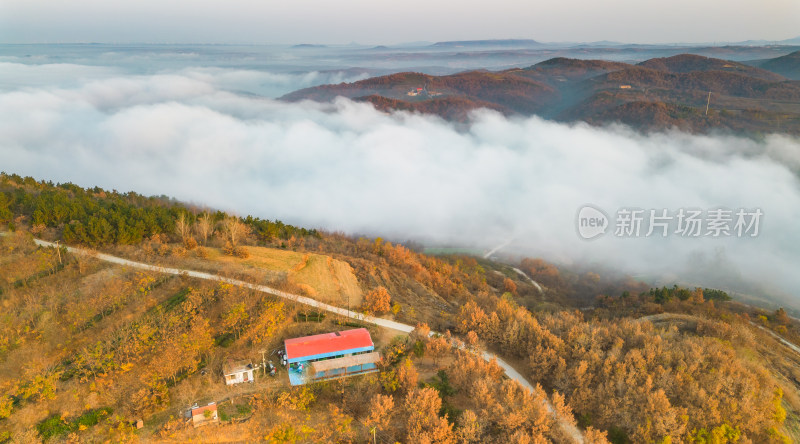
{"type": "Point", "coordinates": [344, 166]}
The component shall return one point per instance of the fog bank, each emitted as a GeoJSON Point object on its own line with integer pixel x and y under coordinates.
{"type": "Point", "coordinates": [191, 134]}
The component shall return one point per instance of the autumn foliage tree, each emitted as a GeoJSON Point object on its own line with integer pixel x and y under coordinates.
{"type": "Point", "coordinates": [781, 317]}
{"type": "Point", "coordinates": [542, 272]}
{"type": "Point", "coordinates": [436, 347]}
{"type": "Point", "coordinates": [236, 318]}
{"type": "Point", "coordinates": [268, 317]}
{"type": "Point", "coordinates": [407, 376]}
{"type": "Point", "coordinates": [421, 332]}
{"type": "Point", "coordinates": [378, 301]}
{"type": "Point", "coordinates": [423, 424]}
{"type": "Point", "coordinates": [509, 286]}
{"type": "Point", "coordinates": [471, 340]}
{"type": "Point", "coordinates": [380, 412]}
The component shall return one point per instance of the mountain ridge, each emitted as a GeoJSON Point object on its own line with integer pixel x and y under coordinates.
{"type": "Point", "coordinates": [744, 98]}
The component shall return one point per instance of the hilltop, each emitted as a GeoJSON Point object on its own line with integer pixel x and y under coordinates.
{"type": "Point", "coordinates": [675, 90]}
{"type": "Point", "coordinates": [684, 63]}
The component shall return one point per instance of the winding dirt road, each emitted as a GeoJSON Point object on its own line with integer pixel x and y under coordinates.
{"type": "Point", "coordinates": [534, 283]}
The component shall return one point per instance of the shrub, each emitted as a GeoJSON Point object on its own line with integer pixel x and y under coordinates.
{"type": "Point", "coordinates": [190, 243]}
{"type": "Point", "coordinates": [55, 425]}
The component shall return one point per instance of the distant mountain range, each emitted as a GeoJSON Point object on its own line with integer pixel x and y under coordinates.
{"type": "Point", "coordinates": [519, 43]}
{"type": "Point", "coordinates": [757, 97]}
{"type": "Point", "coordinates": [530, 43]}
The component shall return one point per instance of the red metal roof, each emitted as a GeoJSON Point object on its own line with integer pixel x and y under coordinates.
{"type": "Point", "coordinates": [327, 343]}
{"type": "Point", "coordinates": [201, 410]}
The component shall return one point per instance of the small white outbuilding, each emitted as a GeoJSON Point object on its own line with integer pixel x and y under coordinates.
{"type": "Point", "coordinates": [237, 372]}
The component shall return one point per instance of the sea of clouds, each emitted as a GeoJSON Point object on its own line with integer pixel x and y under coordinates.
{"type": "Point", "coordinates": [216, 136]}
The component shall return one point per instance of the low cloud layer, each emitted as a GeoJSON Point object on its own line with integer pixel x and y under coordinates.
{"type": "Point", "coordinates": [346, 167]}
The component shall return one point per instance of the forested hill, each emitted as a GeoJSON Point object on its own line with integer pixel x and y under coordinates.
{"type": "Point", "coordinates": [96, 217]}
{"type": "Point", "coordinates": [653, 95]}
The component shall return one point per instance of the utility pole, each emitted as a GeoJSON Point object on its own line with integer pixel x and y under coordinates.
{"type": "Point", "coordinates": [264, 362]}
{"type": "Point", "coordinates": [344, 405]}
{"type": "Point", "coordinates": [708, 102]}
{"type": "Point", "coordinates": [58, 249]}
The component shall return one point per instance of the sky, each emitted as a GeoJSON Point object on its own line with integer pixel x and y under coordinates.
{"type": "Point", "coordinates": [379, 22]}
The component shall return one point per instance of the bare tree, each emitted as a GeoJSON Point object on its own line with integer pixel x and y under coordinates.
{"type": "Point", "coordinates": [205, 226]}
{"type": "Point", "coordinates": [81, 259]}
{"type": "Point", "coordinates": [183, 228]}
{"type": "Point", "coordinates": [235, 230]}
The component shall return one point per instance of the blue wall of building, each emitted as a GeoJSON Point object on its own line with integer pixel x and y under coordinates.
{"type": "Point", "coordinates": [330, 355]}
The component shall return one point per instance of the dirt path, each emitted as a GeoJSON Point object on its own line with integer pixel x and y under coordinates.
{"type": "Point", "coordinates": [386, 323]}
{"type": "Point", "coordinates": [534, 283]}
{"type": "Point", "coordinates": [776, 336]}
{"type": "Point", "coordinates": [665, 316]}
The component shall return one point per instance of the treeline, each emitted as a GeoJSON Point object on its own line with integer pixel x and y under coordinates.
{"type": "Point", "coordinates": [673, 298]}
{"type": "Point", "coordinates": [95, 217]}
{"type": "Point", "coordinates": [267, 230]}
{"type": "Point", "coordinates": [665, 294]}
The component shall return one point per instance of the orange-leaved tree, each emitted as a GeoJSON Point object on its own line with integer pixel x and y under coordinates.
{"type": "Point", "coordinates": [378, 301]}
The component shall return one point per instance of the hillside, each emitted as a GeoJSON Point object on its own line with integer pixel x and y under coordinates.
{"type": "Point", "coordinates": [451, 108]}
{"type": "Point", "coordinates": [684, 63]}
{"type": "Point", "coordinates": [562, 69]}
{"type": "Point", "coordinates": [787, 66]}
{"type": "Point", "coordinates": [744, 99]}
{"type": "Point", "coordinates": [87, 347]}
{"type": "Point", "coordinates": [722, 83]}
{"type": "Point", "coordinates": [502, 90]}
